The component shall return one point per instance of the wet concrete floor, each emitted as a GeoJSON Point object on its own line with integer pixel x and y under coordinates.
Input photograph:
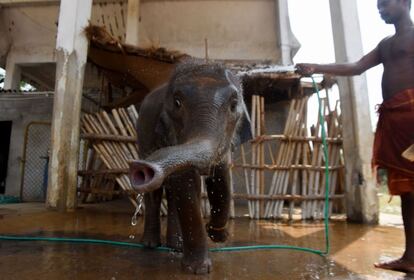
{"type": "Point", "coordinates": [354, 248]}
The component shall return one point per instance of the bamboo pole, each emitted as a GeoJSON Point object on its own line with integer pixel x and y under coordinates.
{"type": "Point", "coordinates": [130, 127]}
{"type": "Point", "coordinates": [290, 138]}
{"type": "Point", "coordinates": [232, 210]}
{"type": "Point", "coordinates": [286, 161]}
{"type": "Point", "coordinates": [258, 157]}
{"type": "Point", "coordinates": [133, 114]}
{"type": "Point", "coordinates": [111, 146]}
{"type": "Point", "coordinates": [295, 145]}
{"type": "Point", "coordinates": [318, 207]}
{"type": "Point", "coordinates": [130, 148]}
{"type": "Point", "coordinates": [305, 176]}
{"type": "Point", "coordinates": [253, 152]}
{"type": "Point", "coordinates": [334, 156]}
{"type": "Point", "coordinates": [246, 179]}
{"type": "Point", "coordinates": [287, 168]}
{"type": "Point", "coordinates": [123, 152]}
{"type": "Point", "coordinates": [262, 155]}
{"type": "Point", "coordinates": [314, 160]}
{"type": "Point", "coordinates": [101, 137]}
{"type": "Point", "coordinates": [284, 180]}
{"type": "Point", "coordinates": [298, 155]}
{"type": "Point", "coordinates": [106, 153]}
{"type": "Point", "coordinates": [289, 197]}
{"type": "Point", "coordinates": [280, 155]}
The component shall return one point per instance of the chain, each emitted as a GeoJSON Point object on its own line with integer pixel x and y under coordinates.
{"type": "Point", "coordinates": [140, 198]}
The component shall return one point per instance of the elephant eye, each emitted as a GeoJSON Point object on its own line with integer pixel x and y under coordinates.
{"type": "Point", "coordinates": [233, 105]}
{"type": "Point", "coordinates": [177, 103]}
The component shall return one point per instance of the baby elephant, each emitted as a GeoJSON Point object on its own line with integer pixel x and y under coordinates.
{"type": "Point", "coordinates": [185, 130]}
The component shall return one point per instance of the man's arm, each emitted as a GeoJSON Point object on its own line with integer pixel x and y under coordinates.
{"type": "Point", "coordinates": [342, 69]}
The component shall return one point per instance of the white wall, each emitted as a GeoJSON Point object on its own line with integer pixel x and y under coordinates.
{"type": "Point", "coordinates": [235, 29]}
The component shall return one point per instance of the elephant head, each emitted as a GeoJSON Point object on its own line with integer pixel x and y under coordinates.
{"type": "Point", "coordinates": [202, 112]}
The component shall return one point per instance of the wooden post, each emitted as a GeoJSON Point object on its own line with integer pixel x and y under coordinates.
{"type": "Point", "coordinates": [71, 50]}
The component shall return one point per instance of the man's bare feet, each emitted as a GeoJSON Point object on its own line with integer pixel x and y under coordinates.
{"type": "Point", "coordinates": [397, 265]}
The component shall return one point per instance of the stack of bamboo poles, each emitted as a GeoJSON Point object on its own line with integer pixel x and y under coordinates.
{"type": "Point", "coordinates": [98, 187]}
{"type": "Point", "coordinates": [297, 168]}
{"type": "Point", "coordinates": [256, 185]}
{"type": "Point", "coordinates": [317, 179]}
{"type": "Point", "coordinates": [287, 155]}
{"type": "Point", "coordinates": [113, 138]}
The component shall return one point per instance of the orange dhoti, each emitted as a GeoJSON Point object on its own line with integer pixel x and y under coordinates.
{"type": "Point", "coordinates": [395, 133]}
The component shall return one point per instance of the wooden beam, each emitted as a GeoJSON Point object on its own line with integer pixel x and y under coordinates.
{"type": "Point", "coordinates": [102, 172]}
{"type": "Point", "coordinates": [108, 137]}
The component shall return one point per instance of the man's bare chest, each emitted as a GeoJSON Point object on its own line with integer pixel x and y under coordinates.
{"type": "Point", "coordinates": [398, 48]}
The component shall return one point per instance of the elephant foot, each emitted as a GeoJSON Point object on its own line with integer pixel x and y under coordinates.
{"type": "Point", "coordinates": [217, 234]}
{"type": "Point", "coordinates": [203, 266]}
{"type": "Point", "coordinates": [175, 242]}
{"type": "Point", "coordinates": [151, 240]}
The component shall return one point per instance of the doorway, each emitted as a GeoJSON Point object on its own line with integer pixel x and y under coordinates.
{"type": "Point", "coordinates": [5, 133]}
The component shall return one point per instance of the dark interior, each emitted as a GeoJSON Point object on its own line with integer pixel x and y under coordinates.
{"type": "Point", "coordinates": [5, 133]}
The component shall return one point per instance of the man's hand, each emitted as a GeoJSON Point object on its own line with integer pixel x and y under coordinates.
{"type": "Point", "coordinates": [305, 69]}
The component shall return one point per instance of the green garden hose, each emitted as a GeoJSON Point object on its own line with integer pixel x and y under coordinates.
{"type": "Point", "coordinates": [223, 249]}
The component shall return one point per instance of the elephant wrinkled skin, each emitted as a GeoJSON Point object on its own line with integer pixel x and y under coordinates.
{"type": "Point", "coordinates": [185, 129]}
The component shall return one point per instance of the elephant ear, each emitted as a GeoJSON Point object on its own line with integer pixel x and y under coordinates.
{"type": "Point", "coordinates": [164, 130]}
{"type": "Point", "coordinates": [244, 131]}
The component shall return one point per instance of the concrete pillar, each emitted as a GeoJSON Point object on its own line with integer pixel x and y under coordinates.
{"type": "Point", "coordinates": [133, 19]}
{"type": "Point", "coordinates": [288, 44]}
{"type": "Point", "coordinates": [13, 75]}
{"type": "Point", "coordinates": [71, 48]}
{"type": "Point", "coordinates": [361, 192]}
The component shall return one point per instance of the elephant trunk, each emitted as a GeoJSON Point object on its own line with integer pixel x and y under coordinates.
{"type": "Point", "coordinates": [148, 175]}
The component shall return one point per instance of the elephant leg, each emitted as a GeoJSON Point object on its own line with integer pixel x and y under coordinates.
{"type": "Point", "coordinates": [186, 189]}
{"type": "Point", "coordinates": [219, 195]}
{"type": "Point", "coordinates": [174, 236]}
{"type": "Point", "coordinates": [152, 226]}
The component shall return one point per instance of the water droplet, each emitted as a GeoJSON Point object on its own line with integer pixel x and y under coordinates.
{"type": "Point", "coordinates": [134, 220]}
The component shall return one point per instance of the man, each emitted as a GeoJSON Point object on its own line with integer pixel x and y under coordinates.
{"type": "Point", "coordinates": [395, 130]}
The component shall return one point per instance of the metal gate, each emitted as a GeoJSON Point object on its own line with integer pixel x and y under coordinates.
{"type": "Point", "coordinates": [35, 161]}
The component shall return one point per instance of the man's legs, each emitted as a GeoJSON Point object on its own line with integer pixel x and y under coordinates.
{"type": "Point", "coordinates": [406, 262]}
{"type": "Point", "coordinates": [407, 207]}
